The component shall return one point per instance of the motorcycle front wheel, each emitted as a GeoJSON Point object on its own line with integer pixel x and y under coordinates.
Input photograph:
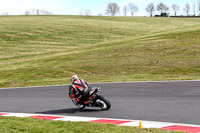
{"type": "Point", "coordinates": [103, 103]}
{"type": "Point", "coordinates": [80, 106]}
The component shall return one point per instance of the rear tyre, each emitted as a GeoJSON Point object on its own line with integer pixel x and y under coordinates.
{"type": "Point", "coordinates": [103, 103]}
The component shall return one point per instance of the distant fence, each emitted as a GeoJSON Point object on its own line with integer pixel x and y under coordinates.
{"type": "Point", "coordinates": [185, 16]}
{"type": "Point", "coordinates": [167, 15]}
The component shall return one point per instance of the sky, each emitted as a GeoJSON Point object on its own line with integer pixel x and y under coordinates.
{"type": "Point", "coordinates": [74, 7]}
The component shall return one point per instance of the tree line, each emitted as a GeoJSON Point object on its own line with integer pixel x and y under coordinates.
{"type": "Point", "coordinates": [38, 12]}
{"type": "Point", "coordinates": [112, 9]}
{"type": "Point", "coordinates": [188, 10]}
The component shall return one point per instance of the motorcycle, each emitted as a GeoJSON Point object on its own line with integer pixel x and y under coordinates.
{"type": "Point", "coordinates": [93, 99]}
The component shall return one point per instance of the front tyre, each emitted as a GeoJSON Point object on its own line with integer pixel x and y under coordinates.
{"type": "Point", "coordinates": [103, 103]}
{"type": "Point", "coordinates": [80, 106]}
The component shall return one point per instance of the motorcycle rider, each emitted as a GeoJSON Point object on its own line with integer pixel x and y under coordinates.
{"type": "Point", "coordinates": [80, 88]}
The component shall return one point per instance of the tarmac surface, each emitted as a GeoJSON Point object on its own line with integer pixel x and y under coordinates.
{"type": "Point", "coordinates": [176, 101]}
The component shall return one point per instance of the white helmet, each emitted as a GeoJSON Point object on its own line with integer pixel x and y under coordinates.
{"type": "Point", "coordinates": [74, 77]}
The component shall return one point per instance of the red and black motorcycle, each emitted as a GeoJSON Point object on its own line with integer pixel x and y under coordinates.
{"type": "Point", "coordinates": [93, 99]}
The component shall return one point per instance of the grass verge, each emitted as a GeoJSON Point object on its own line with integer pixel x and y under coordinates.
{"type": "Point", "coordinates": [24, 125]}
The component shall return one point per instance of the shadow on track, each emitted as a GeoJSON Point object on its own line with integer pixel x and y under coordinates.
{"type": "Point", "coordinates": [69, 111]}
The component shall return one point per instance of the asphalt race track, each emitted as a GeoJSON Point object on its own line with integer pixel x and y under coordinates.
{"type": "Point", "coordinates": [177, 102]}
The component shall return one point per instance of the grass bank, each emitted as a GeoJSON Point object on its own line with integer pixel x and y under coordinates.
{"type": "Point", "coordinates": [27, 125]}
{"type": "Point", "coordinates": [47, 50]}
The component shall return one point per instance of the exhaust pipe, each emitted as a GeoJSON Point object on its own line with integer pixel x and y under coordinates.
{"type": "Point", "coordinates": [99, 89]}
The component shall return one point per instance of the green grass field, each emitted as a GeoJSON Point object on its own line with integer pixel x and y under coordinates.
{"type": "Point", "coordinates": [31, 125]}
{"type": "Point", "coordinates": [48, 50]}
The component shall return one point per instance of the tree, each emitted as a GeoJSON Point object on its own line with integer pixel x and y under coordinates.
{"type": "Point", "coordinates": [125, 10]}
{"type": "Point", "coordinates": [150, 9]}
{"type": "Point", "coordinates": [113, 9]}
{"type": "Point", "coordinates": [186, 9]}
{"type": "Point", "coordinates": [162, 8]}
{"type": "Point", "coordinates": [85, 12]}
{"type": "Point", "coordinates": [88, 12]}
{"type": "Point", "coordinates": [198, 6]}
{"type": "Point", "coordinates": [37, 12]}
{"type": "Point", "coordinates": [81, 12]}
{"type": "Point", "coordinates": [100, 14]}
{"type": "Point", "coordinates": [27, 12]}
{"type": "Point", "coordinates": [5, 14]}
{"type": "Point", "coordinates": [132, 8]}
{"type": "Point", "coordinates": [175, 8]}
{"type": "Point", "coordinates": [45, 12]}
{"type": "Point", "coordinates": [194, 8]}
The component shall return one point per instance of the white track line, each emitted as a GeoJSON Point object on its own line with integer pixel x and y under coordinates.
{"type": "Point", "coordinates": [105, 83]}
